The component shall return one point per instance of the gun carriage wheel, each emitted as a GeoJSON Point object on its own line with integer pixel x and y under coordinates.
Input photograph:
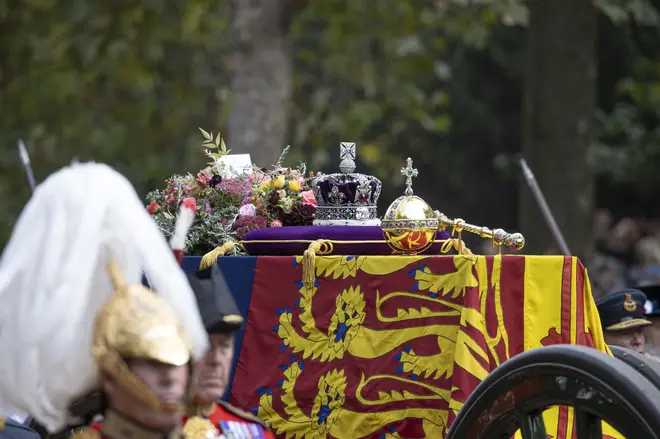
{"type": "Point", "coordinates": [645, 365]}
{"type": "Point", "coordinates": [597, 386]}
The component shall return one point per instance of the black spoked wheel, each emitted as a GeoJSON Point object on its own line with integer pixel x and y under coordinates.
{"type": "Point", "coordinates": [646, 366]}
{"type": "Point", "coordinates": [597, 386]}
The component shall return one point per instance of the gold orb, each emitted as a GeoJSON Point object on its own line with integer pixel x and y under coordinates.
{"type": "Point", "coordinates": [409, 225]}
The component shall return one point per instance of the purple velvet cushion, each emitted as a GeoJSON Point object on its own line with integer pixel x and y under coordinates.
{"type": "Point", "coordinates": [277, 238]}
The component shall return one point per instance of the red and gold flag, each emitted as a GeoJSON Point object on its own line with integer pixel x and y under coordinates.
{"type": "Point", "coordinates": [391, 346]}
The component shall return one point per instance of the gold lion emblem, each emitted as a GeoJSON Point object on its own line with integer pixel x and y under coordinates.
{"type": "Point", "coordinates": [629, 304]}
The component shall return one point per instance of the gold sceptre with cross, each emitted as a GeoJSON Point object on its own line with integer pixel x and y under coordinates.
{"type": "Point", "coordinates": [410, 225]}
{"type": "Point", "coordinates": [514, 241]}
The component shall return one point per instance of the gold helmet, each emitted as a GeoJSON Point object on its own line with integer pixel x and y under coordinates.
{"type": "Point", "coordinates": [137, 324]}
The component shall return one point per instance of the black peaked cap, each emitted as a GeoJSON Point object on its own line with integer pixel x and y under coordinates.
{"type": "Point", "coordinates": [215, 301]}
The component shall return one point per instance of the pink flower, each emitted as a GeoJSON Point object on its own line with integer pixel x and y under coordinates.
{"type": "Point", "coordinates": [247, 210]}
{"type": "Point", "coordinates": [235, 186]}
{"type": "Point", "coordinates": [203, 179]}
{"type": "Point", "coordinates": [259, 178]}
{"type": "Point", "coordinates": [153, 207]}
{"type": "Point", "coordinates": [244, 224]}
{"type": "Point", "coordinates": [276, 223]}
{"type": "Point", "coordinates": [308, 198]}
{"type": "Point", "coordinates": [190, 203]}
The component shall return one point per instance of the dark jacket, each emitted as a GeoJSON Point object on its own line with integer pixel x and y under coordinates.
{"type": "Point", "coordinates": [16, 430]}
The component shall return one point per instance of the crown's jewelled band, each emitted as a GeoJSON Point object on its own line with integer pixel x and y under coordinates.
{"type": "Point", "coordinates": [360, 213]}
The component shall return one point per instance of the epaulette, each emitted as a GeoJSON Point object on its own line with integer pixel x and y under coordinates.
{"type": "Point", "coordinates": [2, 423]}
{"type": "Point", "coordinates": [242, 414]}
{"type": "Point", "coordinates": [86, 433]}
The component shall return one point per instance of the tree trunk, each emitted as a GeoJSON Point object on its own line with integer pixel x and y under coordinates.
{"type": "Point", "coordinates": [261, 80]}
{"type": "Point", "coordinates": [558, 109]}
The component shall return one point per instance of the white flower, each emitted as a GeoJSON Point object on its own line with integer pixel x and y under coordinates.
{"type": "Point", "coordinates": [247, 210]}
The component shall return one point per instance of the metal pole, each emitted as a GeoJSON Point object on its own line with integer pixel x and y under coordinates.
{"type": "Point", "coordinates": [25, 160]}
{"type": "Point", "coordinates": [543, 205]}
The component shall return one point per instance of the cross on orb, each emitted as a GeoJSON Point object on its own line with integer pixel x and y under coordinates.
{"type": "Point", "coordinates": [409, 172]}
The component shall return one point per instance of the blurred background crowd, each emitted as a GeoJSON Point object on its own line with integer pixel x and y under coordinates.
{"type": "Point", "coordinates": [625, 253]}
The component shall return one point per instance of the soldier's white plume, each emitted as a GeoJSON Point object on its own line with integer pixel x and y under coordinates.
{"type": "Point", "coordinates": [53, 279]}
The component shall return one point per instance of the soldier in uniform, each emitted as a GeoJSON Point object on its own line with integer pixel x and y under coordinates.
{"type": "Point", "coordinates": [221, 319]}
{"type": "Point", "coordinates": [11, 429]}
{"type": "Point", "coordinates": [74, 318]}
{"type": "Point", "coordinates": [622, 317]}
{"type": "Point", "coordinates": [143, 353]}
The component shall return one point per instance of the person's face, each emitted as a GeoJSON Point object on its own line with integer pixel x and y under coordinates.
{"type": "Point", "coordinates": [168, 383]}
{"type": "Point", "coordinates": [631, 338]}
{"type": "Point", "coordinates": [212, 372]}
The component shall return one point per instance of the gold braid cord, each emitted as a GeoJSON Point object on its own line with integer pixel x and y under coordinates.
{"type": "Point", "coordinates": [455, 244]}
{"type": "Point", "coordinates": [2, 423]}
{"type": "Point", "coordinates": [211, 258]}
{"type": "Point", "coordinates": [322, 247]}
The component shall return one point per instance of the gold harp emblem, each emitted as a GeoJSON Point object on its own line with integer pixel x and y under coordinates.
{"type": "Point", "coordinates": [629, 304]}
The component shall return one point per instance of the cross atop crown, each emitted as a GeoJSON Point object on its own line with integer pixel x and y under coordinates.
{"type": "Point", "coordinates": [347, 156]}
{"type": "Point", "coordinates": [409, 172]}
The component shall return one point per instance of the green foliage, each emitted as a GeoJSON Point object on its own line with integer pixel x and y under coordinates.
{"type": "Point", "coordinates": [376, 61]}
{"type": "Point", "coordinates": [124, 82]}
{"type": "Point", "coordinates": [217, 144]}
{"type": "Point", "coordinates": [382, 71]}
{"type": "Point", "coordinates": [625, 11]}
{"type": "Point", "coordinates": [628, 150]}
{"type": "Point", "coordinates": [119, 82]}
{"type": "Point", "coordinates": [629, 147]}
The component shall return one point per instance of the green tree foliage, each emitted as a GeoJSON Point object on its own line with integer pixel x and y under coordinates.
{"type": "Point", "coordinates": [127, 83]}
{"type": "Point", "coordinates": [122, 82]}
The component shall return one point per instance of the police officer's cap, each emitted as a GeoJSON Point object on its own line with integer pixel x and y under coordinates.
{"type": "Point", "coordinates": [622, 310]}
{"type": "Point", "coordinates": [216, 304]}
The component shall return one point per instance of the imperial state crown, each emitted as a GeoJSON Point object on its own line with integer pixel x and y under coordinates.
{"type": "Point", "coordinates": [347, 198]}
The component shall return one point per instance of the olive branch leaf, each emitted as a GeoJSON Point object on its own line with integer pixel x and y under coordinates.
{"type": "Point", "coordinates": [214, 148]}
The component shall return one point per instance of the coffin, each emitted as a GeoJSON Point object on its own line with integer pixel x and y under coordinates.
{"type": "Point", "coordinates": [392, 345]}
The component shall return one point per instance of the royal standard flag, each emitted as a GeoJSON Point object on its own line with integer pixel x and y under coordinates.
{"type": "Point", "coordinates": [391, 346]}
